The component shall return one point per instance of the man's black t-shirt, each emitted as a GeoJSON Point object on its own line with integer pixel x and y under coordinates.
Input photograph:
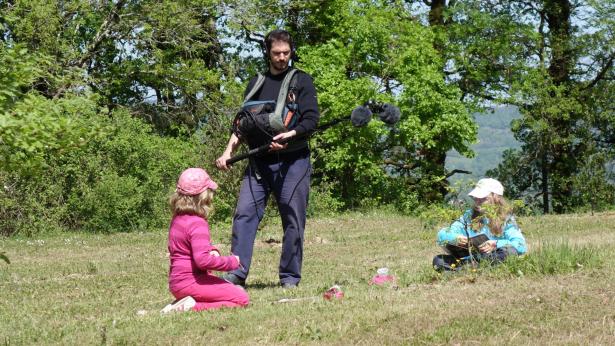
{"type": "Point", "coordinates": [305, 98]}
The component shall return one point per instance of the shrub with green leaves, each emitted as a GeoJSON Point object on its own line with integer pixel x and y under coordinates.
{"type": "Point", "coordinates": [370, 53]}
{"type": "Point", "coordinates": [32, 127]}
{"type": "Point", "coordinates": [438, 215]}
{"type": "Point", "coordinates": [121, 181]}
{"type": "Point", "coordinates": [117, 181]}
{"type": "Point", "coordinates": [322, 202]}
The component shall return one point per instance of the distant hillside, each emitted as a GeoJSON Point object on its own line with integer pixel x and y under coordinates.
{"type": "Point", "coordinates": [494, 137]}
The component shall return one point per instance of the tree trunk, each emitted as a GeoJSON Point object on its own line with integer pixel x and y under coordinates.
{"type": "Point", "coordinates": [558, 13]}
{"type": "Point", "coordinates": [558, 20]}
{"type": "Point", "coordinates": [436, 12]}
{"type": "Point", "coordinates": [434, 158]}
{"type": "Point", "coordinates": [545, 182]}
{"type": "Point", "coordinates": [435, 162]}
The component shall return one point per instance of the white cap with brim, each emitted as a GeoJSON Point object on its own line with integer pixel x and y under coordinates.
{"type": "Point", "coordinates": [486, 186]}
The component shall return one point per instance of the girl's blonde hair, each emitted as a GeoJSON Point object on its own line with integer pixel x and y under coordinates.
{"type": "Point", "coordinates": [497, 210]}
{"type": "Point", "coordinates": [200, 204]}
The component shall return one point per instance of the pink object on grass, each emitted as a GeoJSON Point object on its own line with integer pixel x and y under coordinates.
{"type": "Point", "coordinates": [333, 292]}
{"type": "Point", "coordinates": [382, 276]}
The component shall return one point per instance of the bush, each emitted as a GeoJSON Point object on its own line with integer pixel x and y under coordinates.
{"type": "Point", "coordinates": [118, 181]}
{"type": "Point", "coordinates": [436, 216]}
{"type": "Point", "coordinates": [322, 202]}
{"type": "Point", "coordinates": [113, 203]}
{"type": "Point", "coordinates": [122, 182]}
{"type": "Point", "coordinates": [28, 205]}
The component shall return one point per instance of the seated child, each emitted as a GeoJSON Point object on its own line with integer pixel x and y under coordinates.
{"type": "Point", "coordinates": [192, 255]}
{"type": "Point", "coordinates": [491, 217]}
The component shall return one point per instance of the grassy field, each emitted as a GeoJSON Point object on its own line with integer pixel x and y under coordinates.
{"type": "Point", "coordinates": [88, 289]}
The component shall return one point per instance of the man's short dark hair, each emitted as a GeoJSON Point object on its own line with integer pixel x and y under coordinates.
{"type": "Point", "coordinates": [278, 35]}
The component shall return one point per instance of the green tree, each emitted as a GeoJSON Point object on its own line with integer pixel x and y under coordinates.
{"type": "Point", "coordinates": [563, 95]}
{"type": "Point", "coordinates": [362, 50]}
{"type": "Point", "coordinates": [69, 71]}
{"type": "Point", "coordinates": [162, 59]}
{"type": "Point", "coordinates": [32, 127]}
{"type": "Point", "coordinates": [553, 59]}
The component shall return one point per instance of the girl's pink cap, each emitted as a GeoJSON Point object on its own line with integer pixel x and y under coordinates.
{"type": "Point", "coordinates": [193, 181]}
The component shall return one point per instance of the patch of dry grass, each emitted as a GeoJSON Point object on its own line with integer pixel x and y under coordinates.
{"type": "Point", "coordinates": [87, 289]}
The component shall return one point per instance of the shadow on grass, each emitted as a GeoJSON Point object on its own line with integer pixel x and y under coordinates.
{"type": "Point", "coordinates": [259, 285]}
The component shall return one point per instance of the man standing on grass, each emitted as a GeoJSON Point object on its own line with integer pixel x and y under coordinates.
{"type": "Point", "coordinates": [284, 171]}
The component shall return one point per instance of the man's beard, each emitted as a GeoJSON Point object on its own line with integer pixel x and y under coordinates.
{"type": "Point", "coordinates": [280, 66]}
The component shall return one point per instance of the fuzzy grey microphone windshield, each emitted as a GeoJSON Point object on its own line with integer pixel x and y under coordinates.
{"type": "Point", "coordinates": [360, 116]}
{"type": "Point", "coordinates": [390, 114]}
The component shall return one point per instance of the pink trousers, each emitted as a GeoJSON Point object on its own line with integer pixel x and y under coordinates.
{"type": "Point", "coordinates": [211, 292]}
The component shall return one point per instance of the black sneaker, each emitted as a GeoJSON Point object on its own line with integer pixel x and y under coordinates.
{"type": "Point", "coordinates": [446, 263]}
{"type": "Point", "coordinates": [234, 279]}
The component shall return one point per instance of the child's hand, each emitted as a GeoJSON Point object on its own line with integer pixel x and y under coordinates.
{"type": "Point", "coordinates": [488, 246]}
{"type": "Point", "coordinates": [238, 260]}
{"type": "Point", "coordinates": [214, 253]}
{"type": "Point", "coordinates": [462, 241]}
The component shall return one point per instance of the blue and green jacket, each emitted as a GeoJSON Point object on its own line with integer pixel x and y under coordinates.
{"type": "Point", "coordinates": [511, 234]}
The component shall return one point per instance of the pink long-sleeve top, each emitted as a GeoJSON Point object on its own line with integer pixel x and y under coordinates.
{"type": "Point", "coordinates": [189, 249]}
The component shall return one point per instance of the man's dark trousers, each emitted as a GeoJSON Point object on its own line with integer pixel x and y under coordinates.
{"type": "Point", "coordinates": [289, 181]}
